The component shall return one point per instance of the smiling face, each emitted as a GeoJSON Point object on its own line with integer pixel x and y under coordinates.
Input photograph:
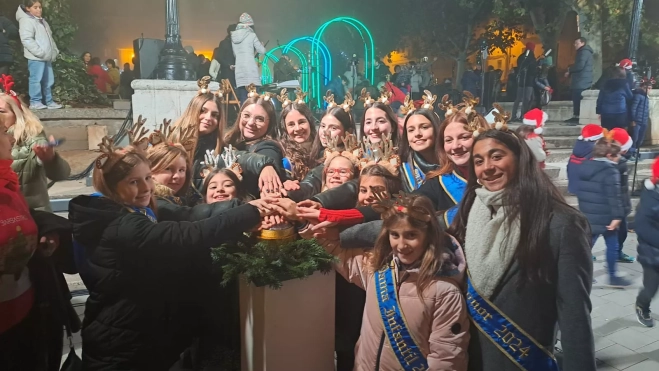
{"type": "Point", "coordinates": [173, 176]}
{"type": "Point", "coordinates": [209, 118]}
{"type": "Point", "coordinates": [7, 115]}
{"type": "Point", "coordinates": [330, 127]}
{"type": "Point", "coordinates": [420, 133]}
{"type": "Point", "coordinates": [366, 196]}
{"type": "Point", "coordinates": [297, 127]}
{"type": "Point", "coordinates": [339, 171]}
{"type": "Point", "coordinates": [6, 144]}
{"type": "Point", "coordinates": [494, 164]}
{"type": "Point", "coordinates": [457, 143]}
{"type": "Point", "coordinates": [254, 122]}
{"type": "Point", "coordinates": [136, 189]}
{"type": "Point", "coordinates": [221, 188]}
{"type": "Point", "coordinates": [407, 243]}
{"type": "Point", "coordinates": [376, 124]}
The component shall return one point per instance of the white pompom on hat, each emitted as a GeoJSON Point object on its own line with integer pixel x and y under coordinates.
{"type": "Point", "coordinates": [591, 133]}
{"type": "Point", "coordinates": [650, 183]}
{"type": "Point", "coordinates": [537, 118]}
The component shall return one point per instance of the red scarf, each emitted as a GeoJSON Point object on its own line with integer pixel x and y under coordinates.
{"type": "Point", "coordinates": [8, 177]}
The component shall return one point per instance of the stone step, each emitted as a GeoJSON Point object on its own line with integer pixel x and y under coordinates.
{"type": "Point", "coordinates": [557, 111]}
{"type": "Point", "coordinates": [559, 142]}
{"type": "Point", "coordinates": [71, 123]}
{"type": "Point", "coordinates": [556, 129]}
{"type": "Point", "coordinates": [121, 104]}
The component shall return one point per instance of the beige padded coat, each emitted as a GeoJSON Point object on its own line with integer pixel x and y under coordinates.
{"type": "Point", "coordinates": [439, 323]}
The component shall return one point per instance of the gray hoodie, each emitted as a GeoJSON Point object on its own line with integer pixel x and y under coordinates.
{"type": "Point", "coordinates": [245, 44]}
{"type": "Point", "coordinates": [36, 36]}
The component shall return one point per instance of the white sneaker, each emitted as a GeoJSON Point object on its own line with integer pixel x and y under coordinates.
{"type": "Point", "coordinates": [38, 106]}
{"type": "Point", "coordinates": [54, 105]}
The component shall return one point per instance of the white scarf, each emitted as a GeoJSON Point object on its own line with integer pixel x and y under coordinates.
{"type": "Point", "coordinates": [489, 244]}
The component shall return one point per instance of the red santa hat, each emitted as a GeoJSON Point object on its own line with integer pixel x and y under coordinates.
{"type": "Point", "coordinates": [621, 136]}
{"type": "Point", "coordinates": [537, 118]}
{"type": "Point", "coordinates": [591, 133]}
{"type": "Point", "coordinates": [650, 183]}
{"type": "Point", "coordinates": [626, 64]}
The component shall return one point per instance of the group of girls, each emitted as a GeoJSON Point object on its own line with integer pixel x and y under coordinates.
{"type": "Point", "coordinates": [143, 240]}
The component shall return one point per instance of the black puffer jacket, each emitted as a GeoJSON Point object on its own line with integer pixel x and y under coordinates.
{"type": "Point", "coordinates": [623, 169]}
{"type": "Point", "coordinates": [647, 225]}
{"type": "Point", "coordinates": [267, 150]}
{"type": "Point", "coordinates": [310, 186]}
{"type": "Point", "coordinates": [8, 31]}
{"type": "Point", "coordinates": [137, 315]}
{"type": "Point", "coordinates": [251, 163]}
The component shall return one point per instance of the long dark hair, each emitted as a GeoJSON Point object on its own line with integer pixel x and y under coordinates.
{"type": "Point", "coordinates": [235, 136]}
{"type": "Point", "coordinates": [302, 159]}
{"type": "Point", "coordinates": [405, 151]}
{"type": "Point", "coordinates": [532, 198]}
{"type": "Point", "coordinates": [391, 117]}
{"type": "Point", "coordinates": [346, 120]}
{"type": "Point", "coordinates": [242, 193]}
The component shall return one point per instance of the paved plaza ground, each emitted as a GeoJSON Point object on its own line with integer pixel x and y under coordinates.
{"type": "Point", "coordinates": [620, 341]}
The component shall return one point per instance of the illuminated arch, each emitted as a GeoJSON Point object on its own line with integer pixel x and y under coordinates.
{"type": "Point", "coordinates": [266, 74]}
{"type": "Point", "coordinates": [369, 47]}
{"type": "Point", "coordinates": [316, 86]}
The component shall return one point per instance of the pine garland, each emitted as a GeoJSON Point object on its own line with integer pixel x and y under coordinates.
{"type": "Point", "coordinates": [270, 264]}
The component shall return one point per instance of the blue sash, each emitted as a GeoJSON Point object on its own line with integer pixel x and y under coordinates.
{"type": "Point", "coordinates": [514, 342]}
{"type": "Point", "coordinates": [454, 186]}
{"type": "Point", "coordinates": [450, 214]}
{"type": "Point", "coordinates": [413, 175]}
{"type": "Point", "coordinates": [144, 211]}
{"type": "Point", "coordinates": [402, 343]}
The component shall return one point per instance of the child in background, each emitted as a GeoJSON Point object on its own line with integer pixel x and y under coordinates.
{"type": "Point", "coordinates": [582, 151]}
{"type": "Point", "coordinates": [41, 51]}
{"type": "Point", "coordinates": [622, 137]}
{"type": "Point", "coordinates": [647, 229]}
{"type": "Point", "coordinates": [613, 101]}
{"type": "Point", "coordinates": [531, 131]}
{"type": "Point", "coordinates": [639, 113]}
{"type": "Point", "coordinates": [600, 200]}
{"type": "Point", "coordinates": [411, 268]}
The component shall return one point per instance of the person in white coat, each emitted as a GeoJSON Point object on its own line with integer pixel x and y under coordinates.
{"type": "Point", "coordinates": [245, 45]}
{"type": "Point", "coordinates": [41, 51]}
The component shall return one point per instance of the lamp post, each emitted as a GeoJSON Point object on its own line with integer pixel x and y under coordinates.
{"type": "Point", "coordinates": [173, 63]}
{"type": "Point", "coordinates": [634, 31]}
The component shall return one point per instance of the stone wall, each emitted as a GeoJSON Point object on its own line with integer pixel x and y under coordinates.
{"type": "Point", "coordinates": [589, 115]}
{"type": "Point", "coordinates": [156, 100]}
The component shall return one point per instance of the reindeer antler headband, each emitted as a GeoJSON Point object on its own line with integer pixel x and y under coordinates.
{"type": "Point", "coordinates": [7, 82]}
{"type": "Point", "coordinates": [252, 93]}
{"type": "Point", "coordinates": [111, 155]}
{"type": "Point", "coordinates": [203, 85]}
{"type": "Point", "coordinates": [400, 203]}
{"type": "Point", "coordinates": [501, 118]}
{"type": "Point", "coordinates": [408, 106]}
{"type": "Point", "coordinates": [382, 153]}
{"type": "Point", "coordinates": [351, 149]}
{"type": "Point", "coordinates": [230, 158]}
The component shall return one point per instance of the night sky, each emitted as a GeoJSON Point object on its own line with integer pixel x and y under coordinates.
{"type": "Point", "coordinates": [105, 26]}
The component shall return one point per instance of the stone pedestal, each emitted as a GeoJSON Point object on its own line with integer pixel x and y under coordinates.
{"type": "Point", "coordinates": [289, 329]}
{"type": "Point", "coordinates": [589, 115]}
{"type": "Point", "coordinates": [156, 100]}
{"type": "Point", "coordinates": [588, 107]}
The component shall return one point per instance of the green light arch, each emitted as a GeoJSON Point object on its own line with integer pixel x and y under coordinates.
{"type": "Point", "coordinates": [369, 55]}
{"type": "Point", "coordinates": [327, 63]}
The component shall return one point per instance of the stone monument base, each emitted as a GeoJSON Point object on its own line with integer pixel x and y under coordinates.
{"type": "Point", "coordinates": [289, 329]}
{"type": "Point", "coordinates": [156, 100]}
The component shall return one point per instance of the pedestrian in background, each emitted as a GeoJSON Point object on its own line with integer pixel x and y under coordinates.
{"type": "Point", "coordinates": [245, 45]}
{"type": "Point", "coordinates": [41, 51]}
{"type": "Point", "coordinates": [613, 101]}
{"type": "Point", "coordinates": [581, 73]}
{"type": "Point", "coordinates": [8, 31]}
{"type": "Point", "coordinates": [647, 230]}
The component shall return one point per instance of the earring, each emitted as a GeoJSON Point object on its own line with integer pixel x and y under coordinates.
{"type": "Point", "coordinates": [479, 182]}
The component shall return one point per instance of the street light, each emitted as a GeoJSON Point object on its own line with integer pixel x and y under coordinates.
{"type": "Point", "coordinates": [173, 63]}
{"type": "Point", "coordinates": [634, 32]}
